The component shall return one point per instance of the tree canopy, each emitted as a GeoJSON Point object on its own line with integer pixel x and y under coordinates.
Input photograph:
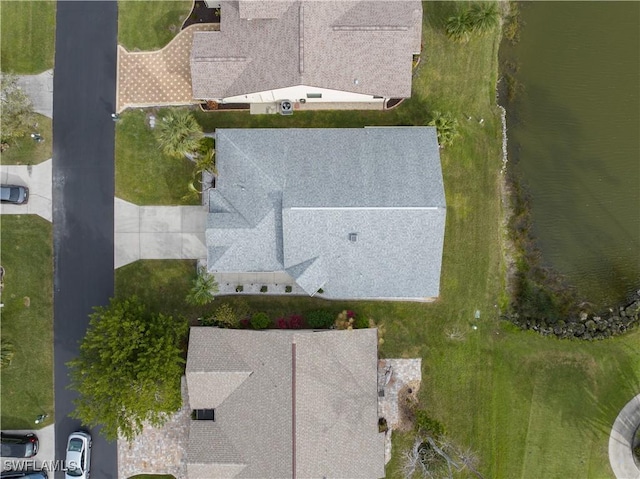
{"type": "Point", "coordinates": [18, 117]}
{"type": "Point", "coordinates": [129, 369]}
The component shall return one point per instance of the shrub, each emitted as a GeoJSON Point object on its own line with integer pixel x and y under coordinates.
{"type": "Point", "coordinates": [287, 289]}
{"type": "Point", "coordinates": [244, 323]}
{"type": "Point", "coordinates": [343, 321]}
{"type": "Point", "coordinates": [295, 321]}
{"type": "Point", "coordinates": [361, 323]}
{"type": "Point", "coordinates": [207, 321]}
{"type": "Point", "coordinates": [260, 321]}
{"type": "Point", "coordinates": [7, 352]}
{"type": "Point", "coordinates": [263, 289]}
{"type": "Point", "coordinates": [239, 288]}
{"type": "Point", "coordinates": [427, 425]}
{"type": "Point", "coordinates": [281, 323]}
{"type": "Point", "coordinates": [319, 319]}
{"type": "Point", "coordinates": [203, 289]}
{"type": "Point", "coordinates": [226, 316]}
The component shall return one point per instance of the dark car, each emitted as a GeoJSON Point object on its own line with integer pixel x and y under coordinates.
{"type": "Point", "coordinates": [24, 475]}
{"type": "Point", "coordinates": [18, 195]}
{"type": "Point", "coordinates": [19, 445]}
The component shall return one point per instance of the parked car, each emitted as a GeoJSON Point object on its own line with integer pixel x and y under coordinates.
{"type": "Point", "coordinates": [24, 475]}
{"type": "Point", "coordinates": [78, 460]}
{"type": "Point", "coordinates": [18, 445]}
{"type": "Point", "coordinates": [15, 194]}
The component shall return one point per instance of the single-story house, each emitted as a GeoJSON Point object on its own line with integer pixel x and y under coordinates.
{"type": "Point", "coordinates": [308, 51]}
{"type": "Point", "coordinates": [283, 404]}
{"type": "Point", "coordinates": [358, 213]}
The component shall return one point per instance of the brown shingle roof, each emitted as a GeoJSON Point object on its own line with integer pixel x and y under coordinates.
{"type": "Point", "coordinates": [355, 46]}
{"type": "Point", "coordinates": [332, 384]}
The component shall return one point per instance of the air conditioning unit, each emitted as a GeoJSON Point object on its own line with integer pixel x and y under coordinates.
{"type": "Point", "coordinates": [285, 107]}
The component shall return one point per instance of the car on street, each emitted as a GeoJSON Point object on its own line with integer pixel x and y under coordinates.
{"type": "Point", "coordinates": [18, 195]}
{"type": "Point", "coordinates": [18, 445]}
{"type": "Point", "coordinates": [24, 475]}
{"type": "Point", "coordinates": [78, 459]}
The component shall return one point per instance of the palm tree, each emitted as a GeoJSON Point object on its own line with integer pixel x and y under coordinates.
{"type": "Point", "coordinates": [203, 290]}
{"type": "Point", "coordinates": [484, 17]}
{"type": "Point", "coordinates": [459, 27]}
{"type": "Point", "coordinates": [447, 127]}
{"type": "Point", "coordinates": [179, 134]}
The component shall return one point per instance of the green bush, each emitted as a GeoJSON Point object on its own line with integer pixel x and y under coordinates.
{"type": "Point", "coordinates": [263, 289]}
{"type": "Point", "coordinates": [226, 316]}
{"type": "Point", "coordinates": [427, 425]}
{"type": "Point", "coordinates": [320, 319]}
{"type": "Point", "coordinates": [361, 322]}
{"type": "Point", "coordinates": [260, 321]}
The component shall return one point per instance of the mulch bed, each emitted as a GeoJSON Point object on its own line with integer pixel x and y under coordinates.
{"type": "Point", "coordinates": [202, 14]}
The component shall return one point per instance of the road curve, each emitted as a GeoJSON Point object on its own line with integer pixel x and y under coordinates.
{"type": "Point", "coordinates": [620, 441]}
{"type": "Point", "coordinates": [83, 187]}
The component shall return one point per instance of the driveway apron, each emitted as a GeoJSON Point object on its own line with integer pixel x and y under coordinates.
{"type": "Point", "coordinates": [83, 186]}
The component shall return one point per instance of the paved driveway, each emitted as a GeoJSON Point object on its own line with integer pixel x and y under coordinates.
{"type": "Point", "coordinates": [38, 179]}
{"type": "Point", "coordinates": [45, 457]}
{"type": "Point", "coordinates": [158, 232]}
{"type": "Point", "coordinates": [161, 77]}
{"type": "Point", "coordinates": [39, 88]}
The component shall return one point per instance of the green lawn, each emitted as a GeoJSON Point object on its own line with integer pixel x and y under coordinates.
{"type": "Point", "coordinates": [26, 151]}
{"type": "Point", "coordinates": [27, 320]}
{"type": "Point", "coordinates": [27, 35]}
{"type": "Point", "coordinates": [145, 175]}
{"type": "Point", "coordinates": [150, 25]}
{"type": "Point", "coordinates": [531, 407]}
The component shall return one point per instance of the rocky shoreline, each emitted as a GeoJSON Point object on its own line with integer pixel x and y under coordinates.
{"type": "Point", "coordinates": [587, 326]}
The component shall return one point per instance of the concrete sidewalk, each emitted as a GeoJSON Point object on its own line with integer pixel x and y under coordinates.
{"type": "Point", "coordinates": [40, 89]}
{"type": "Point", "coordinates": [621, 441]}
{"type": "Point", "coordinates": [38, 179]}
{"type": "Point", "coordinates": [158, 232]}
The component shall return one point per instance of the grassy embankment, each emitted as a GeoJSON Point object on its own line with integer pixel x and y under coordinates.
{"type": "Point", "coordinates": [27, 320]}
{"type": "Point", "coordinates": [529, 406]}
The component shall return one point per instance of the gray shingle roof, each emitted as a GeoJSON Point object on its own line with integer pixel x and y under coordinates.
{"type": "Point", "coordinates": [313, 188]}
{"type": "Point", "coordinates": [316, 43]}
{"type": "Point", "coordinates": [336, 433]}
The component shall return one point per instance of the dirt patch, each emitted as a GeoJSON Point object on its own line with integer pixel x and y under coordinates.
{"type": "Point", "coordinates": [407, 404]}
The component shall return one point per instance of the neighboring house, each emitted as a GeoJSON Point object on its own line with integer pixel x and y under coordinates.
{"type": "Point", "coordinates": [308, 51]}
{"type": "Point", "coordinates": [278, 404]}
{"type": "Point", "coordinates": [357, 212]}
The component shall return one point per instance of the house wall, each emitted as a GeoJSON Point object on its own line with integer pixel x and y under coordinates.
{"type": "Point", "coordinates": [298, 92]}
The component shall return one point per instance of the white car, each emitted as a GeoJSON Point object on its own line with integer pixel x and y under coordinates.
{"type": "Point", "coordinates": [78, 461]}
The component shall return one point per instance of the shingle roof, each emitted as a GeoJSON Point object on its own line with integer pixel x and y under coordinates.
{"type": "Point", "coordinates": [315, 187]}
{"type": "Point", "coordinates": [334, 377]}
{"type": "Point", "coordinates": [362, 47]}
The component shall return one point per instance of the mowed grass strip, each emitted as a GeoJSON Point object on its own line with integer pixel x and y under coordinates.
{"type": "Point", "coordinates": [27, 320]}
{"type": "Point", "coordinates": [145, 175]}
{"type": "Point", "coordinates": [529, 406]}
{"type": "Point", "coordinates": [150, 25]}
{"type": "Point", "coordinates": [26, 151]}
{"type": "Point", "coordinates": [27, 36]}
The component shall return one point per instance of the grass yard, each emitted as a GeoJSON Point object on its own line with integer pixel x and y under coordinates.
{"type": "Point", "coordinates": [531, 407]}
{"type": "Point", "coordinates": [145, 175]}
{"type": "Point", "coordinates": [28, 152]}
{"type": "Point", "coordinates": [27, 320]}
{"type": "Point", "coordinates": [150, 25]}
{"type": "Point", "coordinates": [27, 35]}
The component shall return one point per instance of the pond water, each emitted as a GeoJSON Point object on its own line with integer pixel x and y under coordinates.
{"type": "Point", "coordinates": [574, 139]}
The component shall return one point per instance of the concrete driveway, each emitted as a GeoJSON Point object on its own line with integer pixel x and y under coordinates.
{"type": "Point", "coordinates": [38, 179]}
{"type": "Point", "coordinates": [158, 232]}
{"type": "Point", "coordinates": [39, 88]}
{"type": "Point", "coordinates": [45, 457]}
{"type": "Point", "coordinates": [621, 439]}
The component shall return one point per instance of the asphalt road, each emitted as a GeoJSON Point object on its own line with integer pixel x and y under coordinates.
{"type": "Point", "coordinates": [83, 188]}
